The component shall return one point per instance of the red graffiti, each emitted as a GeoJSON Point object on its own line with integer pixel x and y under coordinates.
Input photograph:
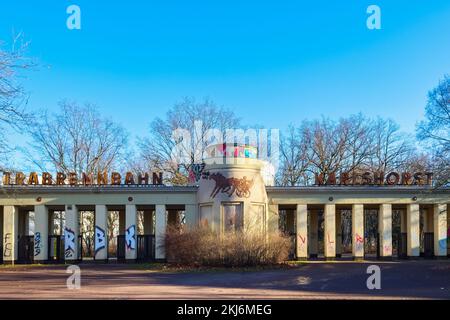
{"type": "Point", "coordinates": [329, 240]}
{"type": "Point", "coordinates": [359, 239]}
{"type": "Point", "coordinates": [302, 239]}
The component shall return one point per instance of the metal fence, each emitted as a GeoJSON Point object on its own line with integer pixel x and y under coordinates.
{"type": "Point", "coordinates": [146, 247]}
{"type": "Point", "coordinates": [428, 244]}
{"type": "Point", "coordinates": [55, 249]}
{"type": "Point", "coordinates": [25, 249]}
{"type": "Point", "coordinates": [121, 248]}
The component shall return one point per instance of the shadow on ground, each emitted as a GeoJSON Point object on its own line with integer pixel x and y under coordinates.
{"type": "Point", "coordinates": [347, 280]}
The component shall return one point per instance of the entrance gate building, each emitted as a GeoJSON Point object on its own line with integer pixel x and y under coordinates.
{"type": "Point", "coordinates": [411, 221]}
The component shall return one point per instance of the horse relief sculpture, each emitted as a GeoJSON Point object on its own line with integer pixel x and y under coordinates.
{"type": "Point", "coordinates": [230, 185]}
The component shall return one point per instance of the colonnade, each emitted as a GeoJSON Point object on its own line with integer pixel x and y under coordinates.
{"type": "Point", "coordinates": [12, 221]}
{"type": "Point", "coordinates": [307, 238]}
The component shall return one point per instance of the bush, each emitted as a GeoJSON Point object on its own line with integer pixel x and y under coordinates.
{"type": "Point", "coordinates": [203, 247]}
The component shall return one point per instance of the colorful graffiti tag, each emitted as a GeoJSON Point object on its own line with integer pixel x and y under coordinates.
{"type": "Point", "coordinates": [230, 185]}
{"type": "Point", "coordinates": [69, 243]}
{"type": "Point", "coordinates": [100, 239]}
{"type": "Point", "coordinates": [195, 173]}
{"type": "Point", "coordinates": [8, 245]}
{"type": "Point", "coordinates": [37, 244]}
{"type": "Point", "coordinates": [130, 237]}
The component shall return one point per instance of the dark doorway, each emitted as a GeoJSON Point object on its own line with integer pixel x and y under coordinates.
{"type": "Point", "coordinates": [371, 233]}
{"type": "Point", "coordinates": [287, 226]}
{"type": "Point", "coordinates": [120, 248]}
{"type": "Point", "coordinates": [146, 247]}
{"type": "Point", "coordinates": [428, 243]}
{"type": "Point", "coordinates": [25, 249]}
{"type": "Point", "coordinates": [55, 249]}
{"type": "Point", "coordinates": [399, 238]}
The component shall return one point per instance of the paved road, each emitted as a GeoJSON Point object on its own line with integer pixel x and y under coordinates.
{"type": "Point", "coordinates": [399, 280]}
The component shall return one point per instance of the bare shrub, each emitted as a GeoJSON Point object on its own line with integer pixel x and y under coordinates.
{"type": "Point", "coordinates": [202, 247]}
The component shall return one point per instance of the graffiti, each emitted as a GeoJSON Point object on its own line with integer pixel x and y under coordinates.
{"type": "Point", "coordinates": [330, 244]}
{"type": "Point", "coordinates": [359, 239]}
{"type": "Point", "coordinates": [443, 243]}
{"type": "Point", "coordinates": [195, 173]}
{"type": "Point", "coordinates": [302, 239]}
{"type": "Point", "coordinates": [69, 243]}
{"type": "Point", "coordinates": [329, 239]}
{"type": "Point", "coordinates": [130, 237]}
{"type": "Point", "coordinates": [100, 239]}
{"type": "Point", "coordinates": [8, 245]}
{"type": "Point", "coordinates": [37, 244]}
{"type": "Point", "coordinates": [359, 242]}
{"type": "Point", "coordinates": [231, 185]}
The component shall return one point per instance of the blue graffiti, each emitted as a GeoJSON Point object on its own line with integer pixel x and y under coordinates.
{"type": "Point", "coordinates": [37, 244]}
{"type": "Point", "coordinates": [69, 243]}
{"type": "Point", "coordinates": [130, 237]}
{"type": "Point", "coordinates": [100, 239]}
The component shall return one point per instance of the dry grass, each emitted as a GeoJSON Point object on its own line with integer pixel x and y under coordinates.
{"type": "Point", "coordinates": [203, 247]}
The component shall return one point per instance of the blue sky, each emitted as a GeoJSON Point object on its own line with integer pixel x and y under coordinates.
{"type": "Point", "coordinates": [272, 62]}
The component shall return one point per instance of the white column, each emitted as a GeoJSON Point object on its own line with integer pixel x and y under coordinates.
{"type": "Point", "coordinates": [191, 214]}
{"type": "Point", "coordinates": [413, 229]}
{"type": "Point", "coordinates": [71, 233]}
{"type": "Point", "coordinates": [10, 233]}
{"type": "Point", "coordinates": [440, 229]}
{"type": "Point", "coordinates": [339, 233]}
{"type": "Point", "coordinates": [40, 233]}
{"type": "Point", "coordinates": [130, 232]}
{"type": "Point", "coordinates": [302, 231]}
{"type": "Point", "coordinates": [358, 231]}
{"type": "Point", "coordinates": [101, 236]}
{"type": "Point", "coordinates": [313, 233]}
{"type": "Point", "coordinates": [385, 230]}
{"type": "Point", "coordinates": [330, 231]}
{"type": "Point", "coordinates": [272, 218]}
{"type": "Point", "coordinates": [160, 223]}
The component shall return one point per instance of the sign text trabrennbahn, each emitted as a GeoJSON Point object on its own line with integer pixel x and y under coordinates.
{"type": "Point", "coordinates": [86, 179]}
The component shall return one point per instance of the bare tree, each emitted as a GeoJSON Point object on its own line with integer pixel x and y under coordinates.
{"type": "Point", "coordinates": [76, 139]}
{"type": "Point", "coordinates": [392, 148]}
{"type": "Point", "coordinates": [294, 159]}
{"type": "Point", "coordinates": [353, 145]}
{"type": "Point", "coordinates": [193, 117]}
{"type": "Point", "coordinates": [434, 131]}
{"type": "Point", "coordinates": [12, 95]}
{"type": "Point", "coordinates": [360, 148]}
{"type": "Point", "coordinates": [327, 145]}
